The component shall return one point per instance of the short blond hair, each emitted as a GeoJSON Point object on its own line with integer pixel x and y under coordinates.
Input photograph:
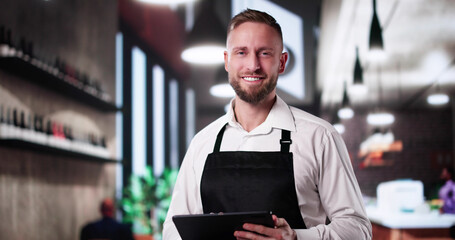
{"type": "Point", "coordinates": [251, 15]}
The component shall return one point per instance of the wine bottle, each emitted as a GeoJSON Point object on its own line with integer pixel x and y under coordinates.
{"type": "Point", "coordinates": [2, 118]}
{"type": "Point", "coordinates": [15, 118]}
{"type": "Point", "coordinates": [30, 52]}
{"type": "Point", "coordinates": [9, 42]}
{"type": "Point", "coordinates": [49, 127]}
{"type": "Point", "coordinates": [9, 120]}
{"type": "Point", "coordinates": [20, 53]}
{"type": "Point", "coordinates": [103, 141]}
{"type": "Point", "coordinates": [3, 44]}
{"type": "Point", "coordinates": [22, 123]}
{"type": "Point", "coordinates": [36, 123]}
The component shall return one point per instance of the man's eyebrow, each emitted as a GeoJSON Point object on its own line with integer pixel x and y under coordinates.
{"type": "Point", "coordinates": [266, 49]}
{"type": "Point", "coordinates": [239, 48]}
{"type": "Point", "coordinates": [260, 49]}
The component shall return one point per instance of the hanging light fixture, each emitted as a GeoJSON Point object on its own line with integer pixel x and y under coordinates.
{"type": "Point", "coordinates": [207, 40]}
{"type": "Point", "coordinates": [380, 117]}
{"type": "Point", "coordinates": [358, 87]}
{"type": "Point", "coordinates": [376, 42]}
{"type": "Point", "coordinates": [222, 88]}
{"type": "Point", "coordinates": [345, 112]}
{"type": "Point", "coordinates": [337, 124]}
{"type": "Point", "coordinates": [438, 99]}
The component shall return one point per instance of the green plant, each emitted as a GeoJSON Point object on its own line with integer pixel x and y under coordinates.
{"type": "Point", "coordinates": [146, 200]}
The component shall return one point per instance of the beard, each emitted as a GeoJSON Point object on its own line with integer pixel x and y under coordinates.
{"type": "Point", "coordinates": [253, 95]}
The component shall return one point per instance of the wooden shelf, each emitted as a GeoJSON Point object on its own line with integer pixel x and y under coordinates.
{"type": "Point", "coordinates": [21, 144]}
{"type": "Point", "coordinates": [43, 78]}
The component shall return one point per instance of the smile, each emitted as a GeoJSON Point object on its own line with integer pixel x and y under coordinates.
{"type": "Point", "coordinates": [252, 79]}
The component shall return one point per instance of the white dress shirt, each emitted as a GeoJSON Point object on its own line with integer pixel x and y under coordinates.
{"type": "Point", "coordinates": [324, 179]}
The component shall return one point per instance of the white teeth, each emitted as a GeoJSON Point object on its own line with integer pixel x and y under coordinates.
{"type": "Point", "coordinates": [251, 78]}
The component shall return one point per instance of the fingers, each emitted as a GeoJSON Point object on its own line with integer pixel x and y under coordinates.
{"type": "Point", "coordinates": [282, 230]}
{"type": "Point", "coordinates": [254, 231]}
{"type": "Point", "coordinates": [279, 222]}
{"type": "Point", "coordinates": [244, 235]}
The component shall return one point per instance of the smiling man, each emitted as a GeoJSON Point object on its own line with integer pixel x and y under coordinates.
{"type": "Point", "coordinates": [264, 155]}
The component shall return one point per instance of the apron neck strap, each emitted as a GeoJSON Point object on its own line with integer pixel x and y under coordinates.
{"type": "Point", "coordinates": [285, 140]}
{"type": "Point", "coordinates": [218, 139]}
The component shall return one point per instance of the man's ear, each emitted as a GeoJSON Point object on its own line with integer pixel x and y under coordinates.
{"type": "Point", "coordinates": [283, 60]}
{"type": "Point", "coordinates": [226, 59]}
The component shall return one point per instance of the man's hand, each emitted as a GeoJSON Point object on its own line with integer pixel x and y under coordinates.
{"type": "Point", "coordinates": [281, 231]}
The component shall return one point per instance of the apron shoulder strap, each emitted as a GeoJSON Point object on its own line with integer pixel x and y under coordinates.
{"type": "Point", "coordinates": [285, 141]}
{"type": "Point", "coordinates": [219, 137]}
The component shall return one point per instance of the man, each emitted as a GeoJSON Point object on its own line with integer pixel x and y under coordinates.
{"type": "Point", "coordinates": [265, 155]}
{"type": "Point", "coordinates": [107, 227]}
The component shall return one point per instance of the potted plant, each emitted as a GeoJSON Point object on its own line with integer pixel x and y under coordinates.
{"type": "Point", "coordinates": [146, 200]}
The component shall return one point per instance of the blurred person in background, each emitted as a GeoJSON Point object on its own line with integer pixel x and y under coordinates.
{"type": "Point", "coordinates": [447, 191]}
{"type": "Point", "coordinates": [107, 227]}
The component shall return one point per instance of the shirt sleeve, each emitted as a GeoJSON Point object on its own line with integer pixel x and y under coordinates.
{"type": "Point", "coordinates": [340, 196]}
{"type": "Point", "coordinates": [184, 197]}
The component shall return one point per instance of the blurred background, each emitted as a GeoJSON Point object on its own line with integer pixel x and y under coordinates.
{"type": "Point", "coordinates": [101, 99]}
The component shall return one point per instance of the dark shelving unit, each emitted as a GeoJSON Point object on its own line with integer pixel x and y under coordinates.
{"type": "Point", "coordinates": [21, 144]}
{"type": "Point", "coordinates": [45, 79]}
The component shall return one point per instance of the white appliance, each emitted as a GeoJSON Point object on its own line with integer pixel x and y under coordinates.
{"type": "Point", "coordinates": [399, 196]}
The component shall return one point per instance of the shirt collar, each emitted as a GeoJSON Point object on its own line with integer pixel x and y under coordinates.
{"type": "Point", "coordinates": [280, 116]}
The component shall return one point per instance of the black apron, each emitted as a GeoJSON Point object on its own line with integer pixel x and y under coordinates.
{"type": "Point", "coordinates": [251, 181]}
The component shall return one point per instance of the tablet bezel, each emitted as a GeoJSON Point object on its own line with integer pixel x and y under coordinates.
{"type": "Point", "coordinates": [218, 226]}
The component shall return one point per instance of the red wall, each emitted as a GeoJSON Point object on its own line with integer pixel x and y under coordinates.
{"type": "Point", "coordinates": [160, 28]}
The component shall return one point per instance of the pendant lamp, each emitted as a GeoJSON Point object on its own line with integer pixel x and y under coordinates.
{"type": "Point", "coordinates": [207, 40]}
{"type": "Point", "coordinates": [376, 43]}
{"type": "Point", "coordinates": [222, 88]}
{"type": "Point", "coordinates": [380, 117]}
{"type": "Point", "coordinates": [345, 112]}
{"type": "Point", "coordinates": [337, 124]}
{"type": "Point", "coordinates": [358, 87]}
{"type": "Point", "coordinates": [438, 98]}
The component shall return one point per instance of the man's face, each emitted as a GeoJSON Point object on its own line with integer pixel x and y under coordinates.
{"type": "Point", "coordinates": [253, 60]}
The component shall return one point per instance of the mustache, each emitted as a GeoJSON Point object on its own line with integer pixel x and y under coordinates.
{"type": "Point", "coordinates": [256, 73]}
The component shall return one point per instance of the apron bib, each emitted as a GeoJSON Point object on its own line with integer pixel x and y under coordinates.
{"type": "Point", "coordinates": [251, 181]}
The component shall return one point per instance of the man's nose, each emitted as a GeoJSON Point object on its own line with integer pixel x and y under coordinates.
{"type": "Point", "coordinates": [253, 63]}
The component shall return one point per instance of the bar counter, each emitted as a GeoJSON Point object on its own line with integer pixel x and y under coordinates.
{"type": "Point", "coordinates": [410, 226]}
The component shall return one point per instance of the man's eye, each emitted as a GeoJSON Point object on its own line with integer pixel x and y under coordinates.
{"type": "Point", "coordinates": [265, 53]}
{"type": "Point", "coordinates": [240, 53]}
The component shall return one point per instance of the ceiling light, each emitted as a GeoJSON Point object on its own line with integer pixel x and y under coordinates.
{"type": "Point", "coordinates": [226, 107]}
{"type": "Point", "coordinates": [358, 87]}
{"type": "Point", "coordinates": [380, 118]}
{"type": "Point", "coordinates": [345, 111]}
{"type": "Point", "coordinates": [223, 90]}
{"type": "Point", "coordinates": [438, 99]}
{"type": "Point", "coordinates": [339, 127]}
{"type": "Point", "coordinates": [337, 124]}
{"type": "Point", "coordinates": [207, 40]}
{"type": "Point", "coordinates": [204, 54]}
{"type": "Point", "coordinates": [358, 90]}
{"type": "Point", "coordinates": [376, 43]}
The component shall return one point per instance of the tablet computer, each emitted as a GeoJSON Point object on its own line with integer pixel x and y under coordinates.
{"type": "Point", "coordinates": [218, 226]}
